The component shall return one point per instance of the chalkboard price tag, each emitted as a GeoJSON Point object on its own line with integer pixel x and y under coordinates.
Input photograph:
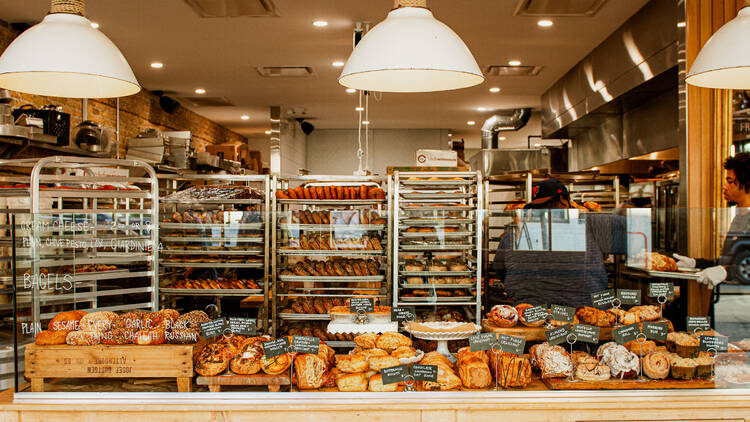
{"type": "Point", "coordinates": [626, 333]}
{"type": "Point", "coordinates": [655, 330]}
{"type": "Point", "coordinates": [214, 328]}
{"type": "Point", "coordinates": [512, 344]}
{"type": "Point", "coordinates": [361, 304]}
{"type": "Point", "coordinates": [702, 323]}
{"type": "Point", "coordinates": [403, 314]}
{"type": "Point", "coordinates": [558, 335]}
{"type": "Point", "coordinates": [629, 297]}
{"type": "Point", "coordinates": [563, 313]}
{"type": "Point", "coordinates": [603, 299]}
{"type": "Point", "coordinates": [661, 289]}
{"type": "Point", "coordinates": [718, 344]}
{"type": "Point", "coordinates": [303, 344]}
{"type": "Point", "coordinates": [481, 341]}
{"type": "Point", "coordinates": [535, 314]}
{"type": "Point", "coordinates": [276, 347]}
{"type": "Point", "coordinates": [586, 333]}
{"type": "Point", "coordinates": [243, 326]}
{"type": "Point", "coordinates": [394, 374]}
{"type": "Point", "coordinates": [424, 372]}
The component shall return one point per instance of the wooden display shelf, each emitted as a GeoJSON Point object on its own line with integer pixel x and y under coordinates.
{"type": "Point", "coordinates": [273, 382]}
{"type": "Point", "coordinates": [534, 333]}
{"type": "Point", "coordinates": [104, 361]}
{"type": "Point", "coordinates": [628, 384]}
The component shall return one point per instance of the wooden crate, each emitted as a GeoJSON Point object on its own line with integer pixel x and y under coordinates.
{"type": "Point", "coordinates": [103, 361]}
{"type": "Point", "coordinates": [273, 382]}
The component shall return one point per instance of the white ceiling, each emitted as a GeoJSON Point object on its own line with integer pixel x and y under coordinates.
{"type": "Point", "coordinates": [220, 55]}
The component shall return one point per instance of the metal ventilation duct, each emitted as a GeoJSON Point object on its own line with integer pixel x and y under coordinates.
{"type": "Point", "coordinates": [548, 8]}
{"type": "Point", "coordinates": [503, 122]}
{"type": "Point", "coordinates": [233, 8]}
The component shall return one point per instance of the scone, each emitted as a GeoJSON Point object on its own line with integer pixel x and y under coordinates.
{"type": "Point", "coordinates": [351, 364]}
{"type": "Point", "coordinates": [368, 353]}
{"type": "Point", "coordinates": [366, 341]}
{"type": "Point", "coordinates": [376, 385]}
{"type": "Point", "coordinates": [392, 341]}
{"type": "Point", "coordinates": [355, 382]}
{"type": "Point", "coordinates": [379, 362]}
{"type": "Point", "coordinates": [404, 352]}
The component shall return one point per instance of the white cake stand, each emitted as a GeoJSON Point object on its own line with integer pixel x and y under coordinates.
{"type": "Point", "coordinates": [443, 337]}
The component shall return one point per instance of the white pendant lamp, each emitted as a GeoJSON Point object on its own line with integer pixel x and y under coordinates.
{"type": "Point", "coordinates": [410, 51]}
{"type": "Point", "coordinates": [63, 56]}
{"type": "Point", "coordinates": [724, 61]}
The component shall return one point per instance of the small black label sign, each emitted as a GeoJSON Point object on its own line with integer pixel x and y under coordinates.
{"type": "Point", "coordinates": [603, 299]}
{"type": "Point", "coordinates": [702, 323]}
{"type": "Point", "coordinates": [361, 304]}
{"type": "Point", "coordinates": [661, 289]}
{"type": "Point", "coordinates": [655, 330]}
{"type": "Point", "coordinates": [424, 372]}
{"type": "Point", "coordinates": [403, 313]}
{"type": "Point", "coordinates": [563, 313]}
{"type": "Point", "coordinates": [558, 335]}
{"type": "Point", "coordinates": [626, 333]}
{"type": "Point", "coordinates": [512, 344]}
{"type": "Point", "coordinates": [303, 344]}
{"type": "Point", "coordinates": [214, 328]}
{"type": "Point", "coordinates": [718, 344]}
{"type": "Point", "coordinates": [535, 314]}
{"type": "Point", "coordinates": [243, 326]}
{"type": "Point", "coordinates": [481, 341]}
{"type": "Point", "coordinates": [629, 297]}
{"type": "Point", "coordinates": [276, 347]}
{"type": "Point", "coordinates": [586, 333]}
{"type": "Point", "coordinates": [394, 374]}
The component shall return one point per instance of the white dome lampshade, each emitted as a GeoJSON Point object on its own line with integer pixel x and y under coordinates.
{"type": "Point", "coordinates": [411, 51]}
{"type": "Point", "coordinates": [63, 56]}
{"type": "Point", "coordinates": [724, 61]}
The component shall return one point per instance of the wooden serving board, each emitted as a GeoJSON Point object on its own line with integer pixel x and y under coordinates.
{"type": "Point", "coordinates": [627, 384]}
{"type": "Point", "coordinates": [274, 382]}
{"type": "Point", "coordinates": [534, 333]}
{"type": "Point", "coordinates": [105, 361]}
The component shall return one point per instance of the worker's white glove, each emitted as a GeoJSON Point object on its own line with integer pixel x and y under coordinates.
{"type": "Point", "coordinates": [712, 276]}
{"type": "Point", "coordinates": [684, 261]}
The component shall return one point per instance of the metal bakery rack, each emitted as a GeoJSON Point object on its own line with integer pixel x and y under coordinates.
{"type": "Point", "coordinates": [91, 238]}
{"type": "Point", "coordinates": [344, 226]}
{"type": "Point", "coordinates": [437, 240]}
{"type": "Point", "coordinates": [214, 232]}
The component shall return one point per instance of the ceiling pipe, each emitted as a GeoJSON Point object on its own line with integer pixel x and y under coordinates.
{"type": "Point", "coordinates": [503, 122]}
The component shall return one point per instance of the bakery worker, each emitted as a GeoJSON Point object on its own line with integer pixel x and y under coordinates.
{"type": "Point", "coordinates": [736, 192]}
{"type": "Point", "coordinates": [535, 273]}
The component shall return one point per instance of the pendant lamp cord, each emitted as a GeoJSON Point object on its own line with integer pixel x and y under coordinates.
{"type": "Point", "coordinates": [71, 7]}
{"type": "Point", "coordinates": [409, 3]}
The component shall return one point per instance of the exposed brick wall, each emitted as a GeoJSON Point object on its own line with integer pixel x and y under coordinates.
{"type": "Point", "coordinates": [137, 112]}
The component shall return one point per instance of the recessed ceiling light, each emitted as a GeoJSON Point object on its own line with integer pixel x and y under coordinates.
{"type": "Point", "coordinates": [681, 24]}
{"type": "Point", "coordinates": [537, 145]}
{"type": "Point", "coordinates": [359, 109]}
{"type": "Point", "coordinates": [450, 135]}
{"type": "Point", "coordinates": [268, 132]}
{"type": "Point", "coordinates": [200, 91]}
{"type": "Point", "coordinates": [350, 90]}
{"type": "Point", "coordinates": [157, 65]}
{"type": "Point", "coordinates": [515, 63]}
{"type": "Point", "coordinates": [94, 25]}
{"type": "Point", "coordinates": [337, 64]}
{"type": "Point", "coordinates": [502, 138]}
{"type": "Point", "coordinates": [545, 23]}
{"type": "Point", "coordinates": [471, 123]}
{"type": "Point", "coordinates": [320, 24]}
{"type": "Point", "coordinates": [481, 109]}
{"type": "Point", "coordinates": [494, 90]}
{"type": "Point", "coordinates": [245, 117]}
{"type": "Point", "coordinates": [365, 122]}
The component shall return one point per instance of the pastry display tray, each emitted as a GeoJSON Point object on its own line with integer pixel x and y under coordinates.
{"type": "Point", "coordinates": [437, 273]}
{"type": "Point", "coordinates": [436, 247]}
{"type": "Point", "coordinates": [338, 252]}
{"type": "Point", "coordinates": [331, 227]}
{"type": "Point", "coordinates": [231, 226]}
{"type": "Point", "coordinates": [534, 333]}
{"type": "Point", "coordinates": [304, 317]}
{"type": "Point", "coordinates": [340, 343]}
{"type": "Point", "coordinates": [627, 384]}
{"type": "Point", "coordinates": [438, 300]}
{"type": "Point", "coordinates": [210, 201]}
{"type": "Point", "coordinates": [343, 279]}
{"type": "Point", "coordinates": [339, 202]}
{"type": "Point", "coordinates": [447, 221]}
{"type": "Point", "coordinates": [421, 235]}
{"type": "Point", "coordinates": [211, 251]}
{"type": "Point", "coordinates": [429, 195]}
{"type": "Point", "coordinates": [198, 239]}
{"type": "Point", "coordinates": [437, 286]}
{"type": "Point", "coordinates": [210, 292]}
{"type": "Point", "coordinates": [666, 274]}
{"type": "Point", "coordinates": [217, 264]}
{"type": "Point", "coordinates": [404, 301]}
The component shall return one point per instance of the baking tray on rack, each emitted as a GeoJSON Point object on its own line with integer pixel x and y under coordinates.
{"type": "Point", "coordinates": [338, 343]}
{"type": "Point", "coordinates": [331, 227]}
{"type": "Point", "coordinates": [337, 252]}
{"type": "Point", "coordinates": [429, 195]}
{"type": "Point", "coordinates": [197, 226]}
{"type": "Point", "coordinates": [420, 235]}
{"type": "Point", "coordinates": [198, 239]}
{"type": "Point", "coordinates": [437, 299]}
{"type": "Point", "coordinates": [210, 201]}
{"type": "Point", "coordinates": [340, 202]}
{"type": "Point", "coordinates": [210, 292]}
{"type": "Point", "coordinates": [304, 317]}
{"type": "Point", "coordinates": [437, 286]}
{"type": "Point", "coordinates": [438, 208]}
{"type": "Point", "coordinates": [331, 289]}
{"type": "Point", "coordinates": [438, 221]}
{"type": "Point", "coordinates": [343, 279]}
{"type": "Point", "coordinates": [211, 251]}
{"type": "Point", "coordinates": [666, 274]}
{"type": "Point", "coordinates": [324, 295]}
{"type": "Point", "coordinates": [466, 273]}
{"type": "Point", "coordinates": [433, 183]}
{"type": "Point", "coordinates": [436, 247]}
{"type": "Point", "coordinates": [217, 264]}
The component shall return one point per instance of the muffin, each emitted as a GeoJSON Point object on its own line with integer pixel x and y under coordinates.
{"type": "Point", "coordinates": [682, 368]}
{"type": "Point", "coordinates": [684, 344]}
{"type": "Point", "coordinates": [703, 365]}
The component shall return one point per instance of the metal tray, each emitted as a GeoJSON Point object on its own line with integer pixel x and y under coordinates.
{"type": "Point", "coordinates": [343, 279]}
{"type": "Point", "coordinates": [420, 235]}
{"type": "Point", "coordinates": [437, 221]}
{"type": "Point", "coordinates": [313, 295]}
{"type": "Point", "coordinates": [429, 195]}
{"type": "Point", "coordinates": [301, 252]}
{"type": "Point", "coordinates": [210, 292]}
{"type": "Point", "coordinates": [329, 289]}
{"type": "Point", "coordinates": [666, 274]}
{"type": "Point", "coordinates": [331, 227]}
{"type": "Point", "coordinates": [198, 226]}
{"type": "Point", "coordinates": [433, 183]}
{"type": "Point", "coordinates": [211, 252]}
{"type": "Point", "coordinates": [212, 264]}
{"type": "Point", "coordinates": [438, 300]}
{"type": "Point", "coordinates": [198, 239]}
{"type": "Point", "coordinates": [439, 208]}
{"type": "Point", "coordinates": [438, 273]}
{"type": "Point", "coordinates": [339, 202]}
{"type": "Point", "coordinates": [304, 317]}
{"type": "Point", "coordinates": [210, 201]}
{"type": "Point", "coordinates": [437, 286]}
{"type": "Point", "coordinates": [340, 343]}
{"type": "Point", "coordinates": [436, 247]}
